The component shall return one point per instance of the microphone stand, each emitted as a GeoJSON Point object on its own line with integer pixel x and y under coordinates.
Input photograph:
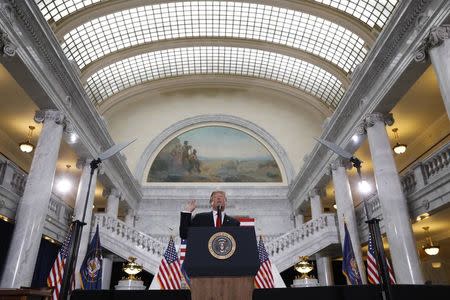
{"type": "Point", "coordinates": [69, 267]}
{"type": "Point", "coordinates": [375, 233]}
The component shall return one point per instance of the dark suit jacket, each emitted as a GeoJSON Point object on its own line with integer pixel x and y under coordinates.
{"type": "Point", "coordinates": [202, 220]}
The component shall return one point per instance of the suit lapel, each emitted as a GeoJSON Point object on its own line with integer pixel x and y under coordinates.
{"type": "Point", "coordinates": [211, 219]}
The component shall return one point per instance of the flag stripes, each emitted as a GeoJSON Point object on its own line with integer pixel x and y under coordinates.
{"type": "Point", "coordinates": [373, 275]}
{"type": "Point", "coordinates": [54, 279]}
{"type": "Point", "coordinates": [169, 275]}
{"type": "Point", "coordinates": [264, 277]}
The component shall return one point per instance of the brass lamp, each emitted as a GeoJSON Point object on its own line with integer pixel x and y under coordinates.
{"type": "Point", "coordinates": [303, 267]}
{"type": "Point", "coordinates": [27, 146]}
{"type": "Point", "coordinates": [429, 247]}
{"type": "Point", "coordinates": [398, 148]}
{"type": "Point", "coordinates": [132, 268]}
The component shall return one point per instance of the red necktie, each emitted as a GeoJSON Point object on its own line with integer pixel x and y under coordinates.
{"type": "Point", "coordinates": [218, 220]}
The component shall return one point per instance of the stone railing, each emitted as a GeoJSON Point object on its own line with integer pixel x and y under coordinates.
{"type": "Point", "coordinates": [12, 178]}
{"type": "Point", "coordinates": [125, 241]}
{"type": "Point", "coordinates": [310, 238]}
{"type": "Point", "coordinates": [427, 171]}
{"type": "Point", "coordinates": [12, 186]}
{"type": "Point", "coordinates": [426, 186]}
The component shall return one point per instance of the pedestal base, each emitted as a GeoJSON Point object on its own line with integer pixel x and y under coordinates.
{"type": "Point", "coordinates": [128, 284]}
{"type": "Point", "coordinates": [305, 282]}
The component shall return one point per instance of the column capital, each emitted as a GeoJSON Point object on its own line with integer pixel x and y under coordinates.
{"type": "Point", "coordinates": [341, 162]}
{"type": "Point", "coordinates": [6, 47]}
{"type": "Point", "coordinates": [371, 119]}
{"type": "Point", "coordinates": [111, 192]}
{"type": "Point", "coordinates": [435, 38]}
{"type": "Point", "coordinates": [317, 191]}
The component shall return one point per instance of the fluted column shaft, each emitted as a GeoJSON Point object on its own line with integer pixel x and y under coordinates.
{"type": "Point", "coordinates": [33, 206]}
{"type": "Point", "coordinates": [346, 210]}
{"type": "Point", "coordinates": [299, 220]}
{"type": "Point", "coordinates": [396, 217]}
{"type": "Point", "coordinates": [79, 209]}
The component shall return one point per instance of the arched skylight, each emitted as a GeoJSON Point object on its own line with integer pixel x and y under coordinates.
{"type": "Point", "coordinates": [214, 60]}
{"type": "Point", "coordinates": [167, 21]}
{"type": "Point", "coordinates": [368, 11]}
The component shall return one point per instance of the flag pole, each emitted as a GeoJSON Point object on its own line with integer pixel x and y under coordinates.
{"type": "Point", "coordinates": [375, 233]}
{"type": "Point", "coordinates": [69, 267]}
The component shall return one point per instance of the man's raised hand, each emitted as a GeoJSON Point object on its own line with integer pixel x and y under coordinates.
{"type": "Point", "coordinates": [191, 205]}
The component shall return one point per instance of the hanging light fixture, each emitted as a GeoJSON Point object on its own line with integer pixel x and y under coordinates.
{"type": "Point", "coordinates": [27, 146]}
{"type": "Point", "coordinates": [398, 148]}
{"type": "Point", "coordinates": [429, 247]}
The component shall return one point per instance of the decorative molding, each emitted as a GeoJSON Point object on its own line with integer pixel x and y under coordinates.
{"type": "Point", "coordinates": [150, 150]}
{"type": "Point", "coordinates": [7, 11]}
{"type": "Point", "coordinates": [340, 162]}
{"type": "Point", "coordinates": [434, 39]}
{"type": "Point", "coordinates": [6, 47]}
{"type": "Point", "coordinates": [45, 115]}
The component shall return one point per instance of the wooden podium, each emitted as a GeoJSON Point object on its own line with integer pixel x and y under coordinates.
{"type": "Point", "coordinates": [221, 262]}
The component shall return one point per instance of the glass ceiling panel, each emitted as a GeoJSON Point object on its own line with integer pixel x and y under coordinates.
{"type": "Point", "coordinates": [58, 9]}
{"type": "Point", "coordinates": [370, 12]}
{"type": "Point", "coordinates": [152, 23]}
{"type": "Point", "coordinates": [214, 60]}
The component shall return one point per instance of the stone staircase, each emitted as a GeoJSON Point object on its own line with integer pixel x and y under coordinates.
{"type": "Point", "coordinates": [124, 241]}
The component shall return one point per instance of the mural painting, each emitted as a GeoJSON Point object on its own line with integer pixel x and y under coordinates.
{"type": "Point", "coordinates": [214, 154]}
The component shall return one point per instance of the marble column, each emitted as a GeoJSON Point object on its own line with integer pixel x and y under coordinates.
{"type": "Point", "coordinates": [112, 204]}
{"type": "Point", "coordinates": [437, 45]}
{"type": "Point", "coordinates": [396, 219]}
{"type": "Point", "coordinates": [316, 203]}
{"type": "Point", "coordinates": [33, 206]}
{"type": "Point", "coordinates": [324, 267]}
{"type": "Point", "coordinates": [106, 271]}
{"type": "Point", "coordinates": [129, 217]}
{"type": "Point", "coordinates": [299, 220]}
{"type": "Point", "coordinates": [80, 201]}
{"type": "Point", "coordinates": [346, 210]}
{"type": "Point", "coordinates": [324, 270]}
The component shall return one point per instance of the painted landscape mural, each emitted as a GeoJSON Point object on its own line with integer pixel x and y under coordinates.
{"type": "Point", "coordinates": [214, 154]}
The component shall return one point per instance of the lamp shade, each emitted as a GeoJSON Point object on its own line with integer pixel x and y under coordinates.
{"type": "Point", "coordinates": [399, 148]}
{"type": "Point", "coordinates": [26, 147]}
{"type": "Point", "coordinates": [431, 249]}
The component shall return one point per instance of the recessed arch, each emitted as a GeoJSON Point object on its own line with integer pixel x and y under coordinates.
{"type": "Point", "coordinates": [208, 81]}
{"type": "Point", "coordinates": [214, 60]}
{"type": "Point", "coordinates": [271, 144]}
{"type": "Point", "coordinates": [221, 42]}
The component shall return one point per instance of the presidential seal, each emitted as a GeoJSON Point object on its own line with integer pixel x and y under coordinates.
{"type": "Point", "coordinates": [221, 245]}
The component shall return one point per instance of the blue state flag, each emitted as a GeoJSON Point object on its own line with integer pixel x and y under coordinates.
{"type": "Point", "coordinates": [349, 265]}
{"type": "Point", "coordinates": [91, 269]}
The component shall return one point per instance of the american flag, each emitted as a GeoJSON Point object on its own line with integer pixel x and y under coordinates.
{"type": "Point", "coordinates": [169, 275]}
{"type": "Point", "coordinates": [372, 268]}
{"type": "Point", "coordinates": [182, 251]}
{"type": "Point", "coordinates": [247, 221]}
{"type": "Point", "coordinates": [264, 277]}
{"type": "Point", "coordinates": [54, 279]}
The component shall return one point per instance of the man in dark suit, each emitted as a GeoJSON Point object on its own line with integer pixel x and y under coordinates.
{"type": "Point", "coordinates": [214, 218]}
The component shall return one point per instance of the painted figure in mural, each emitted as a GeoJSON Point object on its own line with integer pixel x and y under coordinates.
{"type": "Point", "coordinates": [206, 219]}
{"type": "Point", "coordinates": [194, 163]}
{"type": "Point", "coordinates": [185, 152]}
